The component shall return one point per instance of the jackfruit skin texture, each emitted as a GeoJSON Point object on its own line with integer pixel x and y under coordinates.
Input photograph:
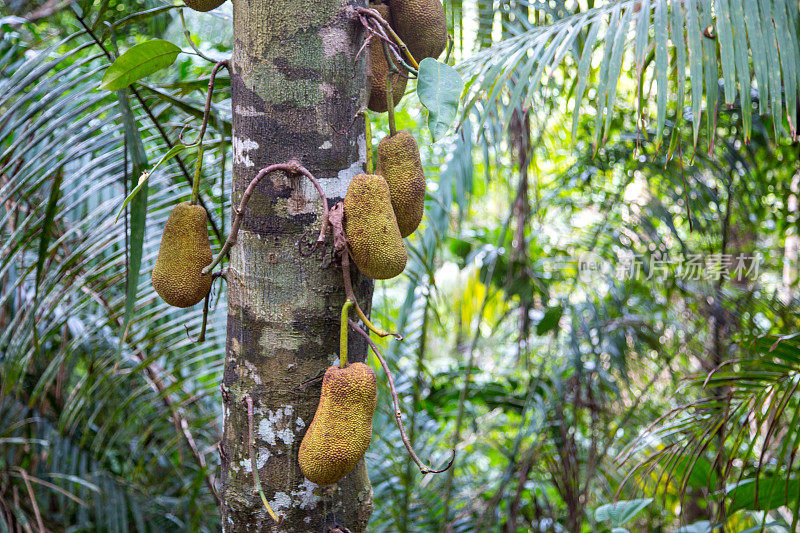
{"type": "Point", "coordinates": [341, 430]}
{"type": "Point", "coordinates": [203, 5]}
{"type": "Point", "coordinates": [422, 25]}
{"type": "Point", "coordinates": [184, 251]}
{"type": "Point", "coordinates": [371, 228]}
{"type": "Point", "coordinates": [399, 163]}
{"type": "Point", "coordinates": [377, 93]}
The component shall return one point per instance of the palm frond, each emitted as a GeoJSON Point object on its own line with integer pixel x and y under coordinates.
{"type": "Point", "coordinates": [590, 49]}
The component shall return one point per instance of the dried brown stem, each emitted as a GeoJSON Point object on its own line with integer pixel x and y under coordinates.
{"type": "Point", "coordinates": [202, 336]}
{"type": "Point", "coordinates": [348, 289]}
{"type": "Point", "coordinates": [423, 468]}
{"type": "Point", "coordinates": [292, 167]}
{"type": "Point", "coordinates": [154, 373]}
{"type": "Point", "coordinates": [253, 463]}
{"type": "Point", "coordinates": [207, 109]}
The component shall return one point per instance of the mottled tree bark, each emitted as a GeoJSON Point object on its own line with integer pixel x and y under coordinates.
{"type": "Point", "coordinates": [295, 81]}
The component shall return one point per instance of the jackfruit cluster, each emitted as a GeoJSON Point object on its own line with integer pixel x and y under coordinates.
{"type": "Point", "coordinates": [376, 246]}
{"type": "Point", "coordinates": [203, 5]}
{"type": "Point", "coordinates": [380, 68]}
{"type": "Point", "coordinates": [184, 251]}
{"type": "Point", "coordinates": [341, 430]}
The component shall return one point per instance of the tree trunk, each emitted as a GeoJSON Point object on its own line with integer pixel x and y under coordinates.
{"type": "Point", "coordinates": [296, 86]}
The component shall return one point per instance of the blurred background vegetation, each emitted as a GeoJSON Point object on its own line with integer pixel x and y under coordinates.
{"type": "Point", "coordinates": [570, 327]}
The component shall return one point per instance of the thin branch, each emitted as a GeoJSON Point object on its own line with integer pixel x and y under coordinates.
{"type": "Point", "coordinates": [207, 109]}
{"type": "Point", "coordinates": [251, 444]}
{"type": "Point", "coordinates": [153, 373]}
{"type": "Point", "coordinates": [292, 167]}
{"type": "Point", "coordinates": [32, 496]}
{"type": "Point", "coordinates": [50, 7]}
{"type": "Point", "coordinates": [189, 39]}
{"type": "Point", "coordinates": [423, 468]}
{"type": "Point", "coordinates": [202, 336]}
{"type": "Point", "coordinates": [348, 289]}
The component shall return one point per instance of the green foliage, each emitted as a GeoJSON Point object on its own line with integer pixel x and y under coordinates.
{"type": "Point", "coordinates": [563, 390]}
{"type": "Point", "coordinates": [439, 88]}
{"type": "Point", "coordinates": [138, 62]}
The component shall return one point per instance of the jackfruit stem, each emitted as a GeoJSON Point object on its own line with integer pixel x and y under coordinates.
{"type": "Point", "coordinates": [348, 289]}
{"type": "Point", "coordinates": [199, 141]}
{"type": "Point", "coordinates": [423, 468]}
{"type": "Point", "coordinates": [292, 167]}
{"type": "Point", "coordinates": [343, 333]}
{"type": "Point", "coordinates": [368, 138]}
{"type": "Point", "coordinates": [390, 96]}
{"type": "Point", "coordinates": [198, 168]}
{"type": "Point", "coordinates": [386, 26]}
{"type": "Point", "coordinates": [450, 45]}
{"type": "Point", "coordinates": [202, 336]}
{"type": "Point", "coordinates": [253, 463]}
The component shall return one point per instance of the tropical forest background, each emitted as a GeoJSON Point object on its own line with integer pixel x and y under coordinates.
{"type": "Point", "coordinates": [600, 310]}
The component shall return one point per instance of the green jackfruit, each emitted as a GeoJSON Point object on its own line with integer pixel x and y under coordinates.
{"type": "Point", "coordinates": [377, 93]}
{"type": "Point", "coordinates": [371, 228]}
{"type": "Point", "coordinates": [203, 5]}
{"type": "Point", "coordinates": [185, 250]}
{"type": "Point", "coordinates": [399, 164]}
{"type": "Point", "coordinates": [341, 430]}
{"type": "Point", "coordinates": [421, 24]}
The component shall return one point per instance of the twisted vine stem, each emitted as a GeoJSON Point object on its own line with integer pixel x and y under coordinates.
{"type": "Point", "coordinates": [423, 468]}
{"type": "Point", "coordinates": [199, 141]}
{"type": "Point", "coordinates": [292, 167]}
{"type": "Point", "coordinates": [348, 289]}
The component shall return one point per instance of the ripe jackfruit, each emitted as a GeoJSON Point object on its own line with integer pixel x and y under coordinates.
{"type": "Point", "coordinates": [185, 250]}
{"type": "Point", "coordinates": [371, 228]}
{"type": "Point", "coordinates": [399, 164]}
{"type": "Point", "coordinates": [421, 24]}
{"type": "Point", "coordinates": [377, 93]}
{"type": "Point", "coordinates": [341, 430]}
{"type": "Point", "coordinates": [203, 5]}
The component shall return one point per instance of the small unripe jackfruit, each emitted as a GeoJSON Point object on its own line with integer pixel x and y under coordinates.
{"type": "Point", "coordinates": [371, 228]}
{"type": "Point", "coordinates": [185, 250]}
{"type": "Point", "coordinates": [378, 89]}
{"type": "Point", "coordinates": [421, 24]}
{"type": "Point", "coordinates": [203, 5]}
{"type": "Point", "coordinates": [341, 430]}
{"type": "Point", "coordinates": [399, 164]}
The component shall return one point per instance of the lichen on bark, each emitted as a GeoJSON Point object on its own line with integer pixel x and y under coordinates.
{"type": "Point", "coordinates": [295, 82]}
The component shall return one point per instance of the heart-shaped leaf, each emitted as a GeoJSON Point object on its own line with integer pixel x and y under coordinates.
{"type": "Point", "coordinates": [138, 62]}
{"type": "Point", "coordinates": [439, 89]}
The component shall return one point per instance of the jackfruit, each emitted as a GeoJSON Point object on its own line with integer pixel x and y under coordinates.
{"type": "Point", "coordinates": [185, 250]}
{"type": "Point", "coordinates": [371, 228]}
{"type": "Point", "coordinates": [377, 93]}
{"type": "Point", "coordinates": [341, 430]}
{"type": "Point", "coordinates": [421, 24]}
{"type": "Point", "coordinates": [399, 164]}
{"type": "Point", "coordinates": [203, 5]}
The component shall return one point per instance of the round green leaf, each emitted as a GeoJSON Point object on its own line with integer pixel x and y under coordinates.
{"type": "Point", "coordinates": [439, 89]}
